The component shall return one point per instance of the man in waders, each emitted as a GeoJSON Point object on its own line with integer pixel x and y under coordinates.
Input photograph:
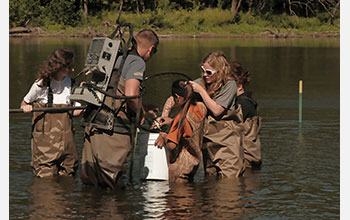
{"type": "Point", "coordinates": [104, 157]}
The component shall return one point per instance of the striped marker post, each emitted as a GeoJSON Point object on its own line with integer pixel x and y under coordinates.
{"type": "Point", "coordinates": [300, 100]}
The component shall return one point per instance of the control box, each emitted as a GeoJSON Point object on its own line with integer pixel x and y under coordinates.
{"type": "Point", "coordinates": [99, 63]}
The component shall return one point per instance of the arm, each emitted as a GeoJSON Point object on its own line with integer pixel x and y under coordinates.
{"type": "Point", "coordinates": [132, 88]}
{"type": "Point", "coordinates": [170, 102]}
{"type": "Point", "coordinates": [161, 140]}
{"type": "Point", "coordinates": [164, 119]}
{"type": "Point", "coordinates": [30, 97]}
{"type": "Point", "coordinates": [215, 108]}
{"type": "Point", "coordinates": [78, 112]}
{"type": "Point", "coordinates": [26, 107]}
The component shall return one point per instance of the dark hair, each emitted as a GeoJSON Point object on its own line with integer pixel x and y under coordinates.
{"type": "Point", "coordinates": [178, 88]}
{"type": "Point", "coordinates": [241, 75]}
{"type": "Point", "coordinates": [149, 35]}
{"type": "Point", "coordinates": [59, 59]}
{"type": "Point", "coordinates": [189, 99]}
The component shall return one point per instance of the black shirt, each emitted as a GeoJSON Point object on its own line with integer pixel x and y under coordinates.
{"type": "Point", "coordinates": [249, 105]}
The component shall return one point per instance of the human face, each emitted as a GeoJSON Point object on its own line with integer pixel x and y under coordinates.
{"type": "Point", "coordinates": [208, 73]}
{"type": "Point", "coordinates": [65, 71]}
{"type": "Point", "coordinates": [149, 53]}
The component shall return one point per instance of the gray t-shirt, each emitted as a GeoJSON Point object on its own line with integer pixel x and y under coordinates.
{"type": "Point", "coordinates": [134, 67]}
{"type": "Point", "coordinates": [227, 94]}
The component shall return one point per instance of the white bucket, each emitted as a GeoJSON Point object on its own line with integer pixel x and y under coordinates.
{"type": "Point", "coordinates": [154, 164]}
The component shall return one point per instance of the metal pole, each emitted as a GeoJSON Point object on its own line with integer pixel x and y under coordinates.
{"type": "Point", "coordinates": [300, 100]}
{"type": "Point", "coordinates": [54, 110]}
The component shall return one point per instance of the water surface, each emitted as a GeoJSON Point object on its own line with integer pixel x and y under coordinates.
{"type": "Point", "coordinates": [299, 178]}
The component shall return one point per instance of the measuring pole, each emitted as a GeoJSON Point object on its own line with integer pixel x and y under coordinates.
{"type": "Point", "coordinates": [300, 100]}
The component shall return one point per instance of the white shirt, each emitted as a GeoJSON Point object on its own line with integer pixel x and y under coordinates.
{"type": "Point", "coordinates": [61, 91]}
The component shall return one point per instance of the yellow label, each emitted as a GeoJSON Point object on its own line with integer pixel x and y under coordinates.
{"type": "Point", "coordinates": [138, 74]}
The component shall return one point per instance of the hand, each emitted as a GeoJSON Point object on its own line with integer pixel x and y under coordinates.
{"type": "Point", "coordinates": [161, 140]}
{"type": "Point", "coordinates": [27, 108]}
{"type": "Point", "coordinates": [155, 125]}
{"type": "Point", "coordinates": [164, 120]}
{"type": "Point", "coordinates": [196, 87]}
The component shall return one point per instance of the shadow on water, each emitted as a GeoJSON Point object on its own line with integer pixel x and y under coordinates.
{"type": "Point", "coordinates": [299, 178]}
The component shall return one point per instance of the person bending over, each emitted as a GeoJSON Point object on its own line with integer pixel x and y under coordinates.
{"type": "Point", "coordinates": [104, 159]}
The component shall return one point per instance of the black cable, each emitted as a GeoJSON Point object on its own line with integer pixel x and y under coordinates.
{"type": "Point", "coordinates": [167, 73]}
{"type": "Point", "coordinates": [89, 85]}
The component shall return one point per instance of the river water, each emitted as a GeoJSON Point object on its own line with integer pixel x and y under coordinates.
{"type": "Point", "coordinates": [300, 175]}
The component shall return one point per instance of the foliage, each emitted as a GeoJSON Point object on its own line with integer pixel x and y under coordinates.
{"type": "Point", "coordinates": [179, 16]}
{"type": "Point", "coordinates": [23, 11]}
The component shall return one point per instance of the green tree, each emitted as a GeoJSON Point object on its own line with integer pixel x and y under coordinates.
{"type": "Point", "coordinates": [64, 12]}
{"type": "Point", "coordinates": [21, 12]}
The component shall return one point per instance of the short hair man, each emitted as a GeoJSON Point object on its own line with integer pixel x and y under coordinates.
{"type": "Point", "coordinates": [104, 159]}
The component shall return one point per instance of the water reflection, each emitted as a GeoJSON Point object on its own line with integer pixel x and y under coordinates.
{"type": "Point", "coordinates": [154, 193]}
{"type": "Point", "coordinates": [49, 197]}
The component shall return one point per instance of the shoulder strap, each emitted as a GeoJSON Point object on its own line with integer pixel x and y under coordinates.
{"type": "Point", "coordinates": [50, 94]}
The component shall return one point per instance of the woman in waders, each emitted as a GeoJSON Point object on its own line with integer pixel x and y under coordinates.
{"type": "Point", "coordinates": [222, 145]}
{"type": "Point", "coordinates": [53, 146]}
{"type": "Point", "coordinates": [184, 139]}
{"type": "Point", "coordinates": [251, 120]}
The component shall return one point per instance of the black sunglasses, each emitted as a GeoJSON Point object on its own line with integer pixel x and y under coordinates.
{"type": "Point", "coordinates": [153, 51]}
{"type": "Point", "coordinates": [207, 71]}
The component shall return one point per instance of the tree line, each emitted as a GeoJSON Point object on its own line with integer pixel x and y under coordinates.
{"type": "Point", "coordinates": [76, 12]}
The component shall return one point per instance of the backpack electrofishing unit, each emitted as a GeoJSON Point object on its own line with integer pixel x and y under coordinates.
{"type": "Point", "coordinates": [99, 68]}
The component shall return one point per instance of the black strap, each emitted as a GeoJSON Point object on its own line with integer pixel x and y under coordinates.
{"type": "Point", "coordinates": [50, 94]}
{"type": "Point", "coordinates": [125, 50]}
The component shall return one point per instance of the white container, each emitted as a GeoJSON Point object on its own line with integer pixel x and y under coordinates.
{"type": "Point", "coordinates": [153, 160]}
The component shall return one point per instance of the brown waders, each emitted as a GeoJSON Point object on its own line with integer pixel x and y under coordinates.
{"type": "Point", "coordinates": [185, 158]}
{"type": "Point", "coordinates": [105, 152]}
{"type": "Point", "coordinates": [222, 148]}
{"type": "Point", "coordinates": [104, 159]}
{"type": "Point", "coordinates": [53, 146]}
{"type": "Point", "coordinates": [251, 141]}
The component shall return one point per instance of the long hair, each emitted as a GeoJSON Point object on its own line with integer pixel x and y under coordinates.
{"type": "Point", "coordinates": [223, 73]}
{"type": "Point", "coordinates": [178, 88]}
{"type": "Point", "coordinates": [241, 75]}
{"type": "Point", "coordinates": [189, 99]}
{"type": "Point", "coordinates": [59, 59]}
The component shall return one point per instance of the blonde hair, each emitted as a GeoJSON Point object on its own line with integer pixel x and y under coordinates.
{"type": "Point", "coordinates": [218, 61]}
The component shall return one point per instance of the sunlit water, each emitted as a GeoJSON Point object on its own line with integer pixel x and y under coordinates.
{"type": "Point", "coordinates": [299, 178]}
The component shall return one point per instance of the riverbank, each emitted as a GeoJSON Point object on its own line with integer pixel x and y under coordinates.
{"type": "Point", "coordinates": [89, 33]}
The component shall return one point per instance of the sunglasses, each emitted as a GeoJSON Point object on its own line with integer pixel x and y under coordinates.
{"type": "Point", "coordinates": [208, 72]}
{"type": "Point", "coordinates": [153, 51]}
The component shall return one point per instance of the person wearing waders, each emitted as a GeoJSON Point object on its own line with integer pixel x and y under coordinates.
{"type": "Point", "coordinates": [184, 139]}
{"type": "Point", "coordinates": [251, 119]}
{"type": "Point", "coordinates": [104, 157]}
{"type": "Point", "coordinates": [222, 144]}
{"type": "Point", "coordinates": [53, 146]}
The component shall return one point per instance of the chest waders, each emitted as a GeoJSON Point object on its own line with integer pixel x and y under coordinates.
{"type": "Point", "coordinates": [109, 131]}
{"type": "Point", "coordinates": [222, 148]}
{"type": "Point", "coordinates": [184, 160]}
{"type": "Point", "coordinates": [53, 145]}
{"type": "Point", "coordinates": [251, 135]}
